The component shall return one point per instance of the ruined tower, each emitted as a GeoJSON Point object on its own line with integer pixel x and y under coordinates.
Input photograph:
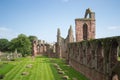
{"type": "Point", "coordinates": [58, 45]}
{"type": "Point", "coordinates": [34, 49]}
{"type": "Point", "coordinates": [85, 27]}
{"type": "Point", "coordinates": [58, 36]}
{"type": "Point", "coordinates": [70, 35]}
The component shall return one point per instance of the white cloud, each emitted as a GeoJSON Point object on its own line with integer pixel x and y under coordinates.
{"type": "Point", "coordinates": [114, 28]}
{"type": "Point", "coordinates": [7, 33]}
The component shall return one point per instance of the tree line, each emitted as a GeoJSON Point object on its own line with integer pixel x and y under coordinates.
{"type": "Point", "coordinates": [23, 44]}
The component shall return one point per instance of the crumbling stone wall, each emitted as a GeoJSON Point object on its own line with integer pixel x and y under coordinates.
{"type": "Point", "coordinates": [61, 44]}
{"type": "Point", "coordinates": [85, 27]}
{"type": "Point", "coordinates": [39, 47]}
{"type": "Point", "coordinates": [97, 59]}
{"type": "Point", "coordinates": [51, 51]}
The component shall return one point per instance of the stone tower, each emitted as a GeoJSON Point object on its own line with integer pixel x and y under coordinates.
{"type": "Point", "coordinates": [34, 48]}
{"type": "Point", "coordinates": [58, 36]}
{"type": "Point", "coordinates": [85, 27]}
{"type": "Point", "coordinates": [70, 35]}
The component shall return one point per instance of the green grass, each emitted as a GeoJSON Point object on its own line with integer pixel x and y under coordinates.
{"type": "Point", "coordinates": [4, 68]}
{"type": "Point", "coordinates": [42, 69]}
{"type": "Point", "coordinates": [72, 73]}
{"type": "Point", "coordinates": [118, 58]}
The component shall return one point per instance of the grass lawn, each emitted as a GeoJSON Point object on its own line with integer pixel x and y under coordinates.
{"type": "Point", "coordinates": [118, 58]}
{"type": "Point", "coordinates": [72, 73]}
{"type": "Point", "coordinates": [5, 67]}
{"type": "Point", "coordinates": [42, 68]}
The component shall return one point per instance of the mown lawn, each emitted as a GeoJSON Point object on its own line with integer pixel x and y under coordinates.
{"type": "Point", "coordinates": [118, 58]}
{"type": "Point", "coordinates": [42, 68]}
{"type": "Point", "coordinates": [69, 71]}
{"type": "Point", "coordinates": [5, 67]}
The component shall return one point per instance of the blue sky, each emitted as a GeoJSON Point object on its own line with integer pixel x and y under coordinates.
{"type": "Point", "coordinates": [42, 17]}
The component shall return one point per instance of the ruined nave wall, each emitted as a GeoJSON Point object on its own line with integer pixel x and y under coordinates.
{"type": "Point", "coordinates": [97, 59]}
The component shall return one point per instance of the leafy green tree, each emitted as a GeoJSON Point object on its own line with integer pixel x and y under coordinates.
{"type": "Point", "coordinates": [4, 43]}
{"type": "Point", "coordinates": [22, 44]}
{"type": "Point", "coordinates": [31, 38]}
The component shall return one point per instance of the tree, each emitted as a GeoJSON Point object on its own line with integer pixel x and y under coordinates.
{"type": "Point", "coordinates": [22, 44]}
{"type": "Point", "coordinates": [4, 43]}
{"type": "Point", "coordinates": [31, 38]}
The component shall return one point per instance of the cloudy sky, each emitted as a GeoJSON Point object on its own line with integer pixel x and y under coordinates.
{"type": "Point", "coordinates": [42, 17]}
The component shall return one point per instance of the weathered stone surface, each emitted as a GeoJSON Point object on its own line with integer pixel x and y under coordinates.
{"type": "Point", "coordinates": [24, 73]}
{"type": "Point", "coordinates": [29, 66]}
{"type": "Point", "coordinates": [85, 27]}
{"type": "Point", "coordinates": [61, 72]}
{"type": "Point", "coordinates": [59, 69]}
{"type": "Point", "coordinates": [96, 59]}
{"type": "Point", "coordinates": [65, 77]}
{"type": "Point", "coordinates": [39, 47]}
{"type": "Point", "coordinates": [56, 65]}
{"type": "Point", "coordinates": [61, 45]}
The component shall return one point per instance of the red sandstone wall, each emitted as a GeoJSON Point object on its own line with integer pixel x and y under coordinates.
{"type": "Point", "coordinates": [79, 29]}
{"type": "Point", "coordinates": [96, 59]}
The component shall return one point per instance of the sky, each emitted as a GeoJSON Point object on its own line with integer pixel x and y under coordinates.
{"type": "Point", "coordinates": [42, 18]}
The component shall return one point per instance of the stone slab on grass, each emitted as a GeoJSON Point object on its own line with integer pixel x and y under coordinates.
{"type": "Point", "coordinates": [65, 77]}
{"type": "Point", "coordinates": [61, 72]}
{"type": "Point", "coordinates": [24, 73]}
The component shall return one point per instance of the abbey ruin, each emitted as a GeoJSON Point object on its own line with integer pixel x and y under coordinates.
{"type": "Point", "coordinates": [97, 59]}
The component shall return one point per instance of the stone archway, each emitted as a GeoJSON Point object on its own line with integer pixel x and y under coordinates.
{"type": "Point", "coordinates": [85, 31]}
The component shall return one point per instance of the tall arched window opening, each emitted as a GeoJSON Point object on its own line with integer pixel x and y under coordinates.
{"type": "Point", "coordinates": [85, 32]}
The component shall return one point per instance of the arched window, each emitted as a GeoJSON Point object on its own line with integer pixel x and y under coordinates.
{"type": "Point", "coordinates": [85, 32]}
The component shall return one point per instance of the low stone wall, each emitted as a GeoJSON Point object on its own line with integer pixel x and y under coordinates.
{"type": "Point", "coordinates": [97, 59]}
{"type": "Point", "coordinates": [9, 56]}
